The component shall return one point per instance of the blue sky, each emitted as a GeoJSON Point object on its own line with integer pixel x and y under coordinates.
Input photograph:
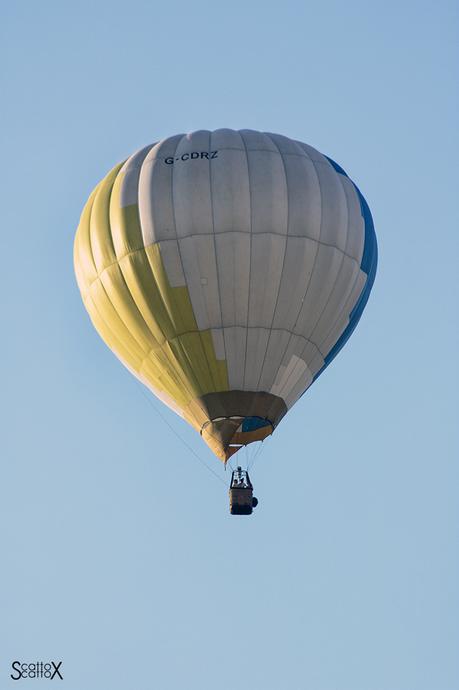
{"type": "Point", "coordinates": [119, 556]}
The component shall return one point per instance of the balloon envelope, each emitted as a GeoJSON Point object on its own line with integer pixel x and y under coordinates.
{"type": "Point", "coordinates": [226, 269]}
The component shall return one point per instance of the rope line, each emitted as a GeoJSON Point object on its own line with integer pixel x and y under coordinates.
{"type": "Point", "coordinates": [203, 462]}
{"type": "Point", "coordinates": [258, 452]}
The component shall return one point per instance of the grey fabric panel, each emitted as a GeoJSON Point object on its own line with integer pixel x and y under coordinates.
{"type": "Point", "coordinates": [257, 141]}
{"type": "Point", "coordinates": [337, 299]}
{"type": "Point", "coordinates": [292, 373]}
{"type": "Point", "coordinates": [354, 246]}
{"type": "Point", "coordinates": [296, 274]}
{"type": "Point", "coordinates": [302, 383]}
{"type": "Point", "coordinates": [229, 183]}
{"type": "Point", "coordinates": [277, 345]}
{"type": "Point", "coordinates": [267, 255]}
{"type": "Point", "coordinates": [289, 365]}
{"type": "Point", "coordinates": [338, 326]}
{"type": "Point", "coordinates": [304, 193]}
{"type": "Point", "coordinates": [225, 138]}
{"type": "Point", "coordinates": [170, 255]}
{"type": "Point", "coordinates": [334, 223]}
{"type": "Point", "coordinates": [314, 357]}
{"type": "Point", "coordinates": [200, 269]}
{"type": "Point", "coordinates": [268, 186]}
{"type": "Point", "coordinates": [356, 231]}
{"type": "Point", "coordinates": [315, 364]}
{"type": "Point", "coordinates": [191, 186]}
{"type": "Point", "coordinates": [233, 259]}
{"type": "Point", "coordinates": [235, 347]}
{"type": "Point", "coordinates": [193, 208]}
{"type": "Point", "coordinates": [155, 193]}
{"type": "Point", "coordinates": [218, 340]}
{"type": "Point", "coordinates": [334, 334]}
{"type": "Point", "coordinates": [326, 267]}
{"type": "Point", "coordinates": [131, 169]}
{"type": "Point", "coordinates": [355, 292]}
{"type": "Point", "coordinates": [257, 341]}
{"type": "Point", "coordinates": [312, 153]}
{"type": "Point", "coordinates": [287, 146]}
{"type": "Point", "coordinates": [304, 197]}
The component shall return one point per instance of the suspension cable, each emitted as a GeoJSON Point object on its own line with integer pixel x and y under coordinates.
{"type": "Point", "coordinates": [182, 440]}
{"type": "Point", "coordinates": [258, 452]}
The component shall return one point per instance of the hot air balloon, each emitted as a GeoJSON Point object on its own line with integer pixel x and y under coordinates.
{"type": "Point", "coordinates": [226, 270]}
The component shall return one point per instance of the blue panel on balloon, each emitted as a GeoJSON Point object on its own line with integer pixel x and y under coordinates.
{"type": "Point", "coordinates": [252, 423]}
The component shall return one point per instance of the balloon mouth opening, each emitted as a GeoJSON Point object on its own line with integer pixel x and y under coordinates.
{"type": "Point", "coordinates": [229, 434]}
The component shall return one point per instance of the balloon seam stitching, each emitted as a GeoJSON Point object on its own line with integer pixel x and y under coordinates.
{"type": "Point", "coordinates": [283, 261]}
